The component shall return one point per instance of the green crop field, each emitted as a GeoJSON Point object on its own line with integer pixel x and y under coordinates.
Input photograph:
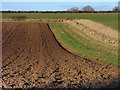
{"type": "Point", "coordinates": [80, 43]}
{"type": "Point", "coordinates": [110, 20]}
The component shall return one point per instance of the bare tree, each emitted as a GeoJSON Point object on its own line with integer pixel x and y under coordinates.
{"type": "Point", "coordinates": [116, 8]}
{"type": "Point", "coordinates": [73, 9]}
{"type": "Point", "coordinates": [87, 8]}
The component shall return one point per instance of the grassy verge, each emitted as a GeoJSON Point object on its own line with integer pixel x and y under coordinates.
{"type": "Point", "coordinates": [78, 42]}
{"type": "Point", "coordinates": [107, 19]}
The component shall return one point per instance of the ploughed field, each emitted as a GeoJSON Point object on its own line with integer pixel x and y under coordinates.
{"type": "Point", "coordinates": [32, 57]}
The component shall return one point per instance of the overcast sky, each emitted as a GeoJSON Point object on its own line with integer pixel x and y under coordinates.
{"type": "Point", "coordinates": [56, 6]}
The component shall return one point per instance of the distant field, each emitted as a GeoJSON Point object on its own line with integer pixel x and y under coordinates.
{"type": "Point", "coordinates": [107, 19]}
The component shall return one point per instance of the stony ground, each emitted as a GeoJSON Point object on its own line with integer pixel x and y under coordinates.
{"type": "Point", "coordinates": [32, 57]}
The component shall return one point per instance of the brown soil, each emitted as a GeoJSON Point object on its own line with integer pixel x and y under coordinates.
{"type": "Point", "coordinates": [32, 57]}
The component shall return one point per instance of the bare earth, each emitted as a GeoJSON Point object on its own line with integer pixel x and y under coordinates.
{"type": "Point", "coordinates": [32, 57]}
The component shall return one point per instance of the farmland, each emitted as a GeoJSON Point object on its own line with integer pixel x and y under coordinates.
{"type": "Point", "coordinates": [68, 36]}
{"type": "Point", "coordinates": [75, 42]}
{"type": "Point", "coordinates": [33, 57]}
{"type": "Point", "coordinates": [60, 51]}
{"type": "Point", "coordinates": [110, 20]}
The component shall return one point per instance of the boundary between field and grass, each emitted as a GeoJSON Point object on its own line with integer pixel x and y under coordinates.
{"type": "Point", "coordinates": [75, 41]}
{"type": "Point", "coordinates": [73, 44]}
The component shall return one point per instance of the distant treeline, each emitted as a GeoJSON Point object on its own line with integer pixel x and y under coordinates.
{"type": "Point", "coordinates": [59, 11]}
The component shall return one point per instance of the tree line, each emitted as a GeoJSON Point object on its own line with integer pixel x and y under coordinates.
{"type": "Point", "coordinates": [58, 12]}
{"type": "Point", "coordinates": [86, 9]}
{"type": "Point", "coordinates": [90, 9]}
